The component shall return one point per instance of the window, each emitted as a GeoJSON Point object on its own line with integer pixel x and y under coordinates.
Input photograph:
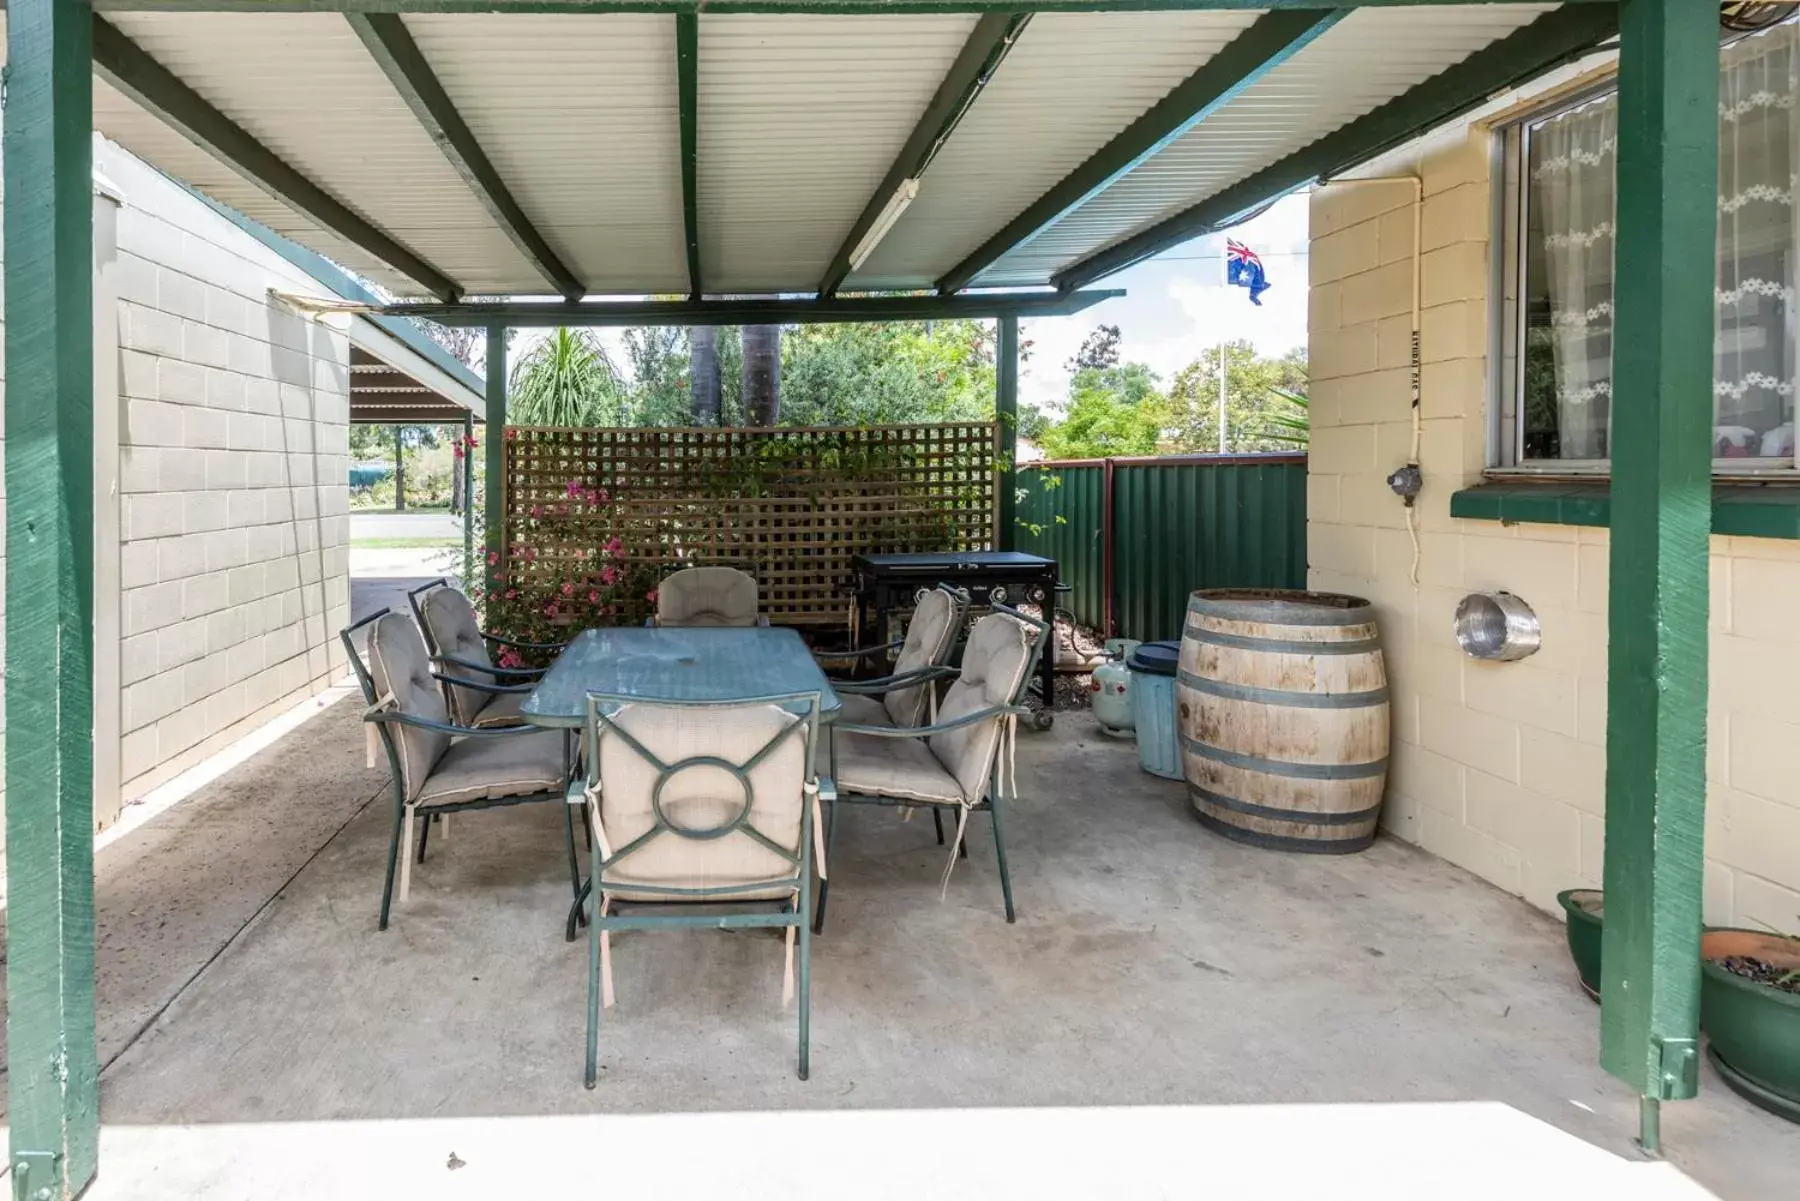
{"type": "Point", "coordinates": [1556, 272]}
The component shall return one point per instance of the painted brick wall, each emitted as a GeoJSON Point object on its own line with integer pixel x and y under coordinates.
{"type": "Point", "coordinates": [233, 502]}
{"type": "Point", "coordinates": [1500, 768]}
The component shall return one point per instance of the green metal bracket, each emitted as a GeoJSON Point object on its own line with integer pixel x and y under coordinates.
{"type": "Point", "coordinates": [34, 1174]}
{"type": "Point", "coordinates": [1679, 1074]}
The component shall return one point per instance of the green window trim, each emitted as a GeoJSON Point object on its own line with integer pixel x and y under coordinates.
{"type": "Point", "coordinates": [1741, 510]}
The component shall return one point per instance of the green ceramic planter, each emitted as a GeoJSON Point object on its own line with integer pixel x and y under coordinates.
{"type": "Point", "coordinates": [1753, 1030]}
{"type": "Point", "coordinates": [1584, 910]}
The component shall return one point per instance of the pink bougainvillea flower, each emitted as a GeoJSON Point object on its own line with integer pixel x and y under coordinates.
{"type": "Point", "coordinates": [574, 488]}
{"type": "Point", "coordinates": [594, 597]}
{"type": "Point", "coordinates": [537, 511]}
{"type": "Point", "coordinates": [512, 594]}
{"type": "Point", "coordinates": [650, 596]}
{"type": "Point", "coordinates": [568, 589]}
{"type": "Point", "coordinates": [530, 554]}
{"type": "Point", "coordinates": [602, 494]}
{"type": "Point", "coordinates": [493, 557]}
{"type": "Point", "coordinates": [609, 575]}
{"type": "Point", "coordinates": [511, 434]}
{"type": "Point", "coordinates": [550, 611]}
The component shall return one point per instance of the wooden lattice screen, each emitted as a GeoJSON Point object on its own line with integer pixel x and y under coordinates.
{"type": "Point", "coordinates": [791, 506]}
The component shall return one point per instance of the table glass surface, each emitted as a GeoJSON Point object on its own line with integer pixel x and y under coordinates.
{"type": "Point", "coordinates": [676, 665]}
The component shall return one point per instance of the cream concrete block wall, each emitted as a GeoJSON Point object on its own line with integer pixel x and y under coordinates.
{"type": "Point", "coordinates": [234, 467]}
{"type": "Point", "coordinates": [1500, 768]}
{"type": "Point", "coordinates": [233, 499]}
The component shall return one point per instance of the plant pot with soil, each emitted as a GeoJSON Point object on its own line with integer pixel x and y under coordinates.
{"type": "Point", "coordinates": [1585, 909]}
{"type": "Point", "coordinates": [1750, 1011]}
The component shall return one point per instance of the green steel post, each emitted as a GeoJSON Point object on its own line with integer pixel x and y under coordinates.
{"type": "Point", "coordinates": [1662, 506]}
{"type": "Point", "coordinates": [468, 470]}
{"type": "Point", "coordinates": [53, 1084]}
{"type": "Point", "coordinates": [1006, 416]}
{"type": "Point", "coordinates": [495, 458]}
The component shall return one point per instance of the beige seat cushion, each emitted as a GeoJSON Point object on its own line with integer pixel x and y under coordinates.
{"type": "Point", "coordinates": [862, 710]}
{"type": "Point", "coordinates": [702, 797]}
{"type": "Point", "coordinates": [891, 767]}
{"type": "Point", "coordinates": [706, 596]}
{"type": "Point", "coordinates": [501, 710]}
{"type": "Point", "coordinates": [491, 768]}
{"type": "Point", "coordinates": [400, 666]}
{"type": "Point", "coordinates": [927, 644]}
{"type": "Point", "coordinates": [992, 674]}
{"type": "Point", "coordinates": [450, 620]}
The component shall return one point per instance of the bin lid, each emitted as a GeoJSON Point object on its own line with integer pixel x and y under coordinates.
{"type": "Point", "coordinates": [1156, 658]}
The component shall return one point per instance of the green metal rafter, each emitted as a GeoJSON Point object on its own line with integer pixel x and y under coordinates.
{"type": "Point", "coordinates": [127, 67]}
{"type": "Point", "coordinates": [53, 1083]}
{"type": "Point", "coordinates": [687, 68]}
{"type": "Point", "coordinates": [400, 59]}
{"type": "Point", "coordinates": [1668, 176]}
{"type": "Point", "coordinates": [986, 43]}
{"type": "Point", "coordinates": [1271, 41]}
{"type": "Point", "coordinates": [1553, 38]}
{"type": "Point", "coordinates": [758, 311]}
{"type": "Point", "coordinates": [851, 7]}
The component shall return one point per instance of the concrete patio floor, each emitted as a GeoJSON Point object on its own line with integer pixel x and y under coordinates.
{"type": "Point", "coordinates": [1153, 964]}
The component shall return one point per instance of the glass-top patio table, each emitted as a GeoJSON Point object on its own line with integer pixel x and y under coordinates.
{"type": "Point", "coordinates": [698, 664]}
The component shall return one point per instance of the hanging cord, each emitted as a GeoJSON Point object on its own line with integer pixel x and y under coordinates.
{"type": "Point", "coordinates": [1005, 777]}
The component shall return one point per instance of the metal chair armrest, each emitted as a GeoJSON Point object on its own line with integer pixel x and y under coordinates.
{"type": "Point", "coordinates": [488, 669]}
{"type": "Point", "coordinates": [864, 653]}
{"type": "Point", "coordinates": [524, 646]}
{"type": "Point", "coordinates": [490, 689]}
{"type": "Point", "coordinates": [905, 679]}
{"type": "Point", "coordinates": [967, 719]}
{"type": "Point", "coordinates": [444, 727]}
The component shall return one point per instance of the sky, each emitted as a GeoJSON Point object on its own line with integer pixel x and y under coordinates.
{"type": "Point", "coordinates": [1176, 305]}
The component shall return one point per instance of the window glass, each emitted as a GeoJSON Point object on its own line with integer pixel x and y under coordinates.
{"type": "Point", "coordinates": [1565, 362]}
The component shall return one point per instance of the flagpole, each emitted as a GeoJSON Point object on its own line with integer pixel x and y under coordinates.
{"type": "Point", "coordinates": [1225, 279]}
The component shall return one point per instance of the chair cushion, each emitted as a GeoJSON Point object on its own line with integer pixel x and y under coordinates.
{"type": "Point", "coordinates": [993, 674]}
{"type": "Point", "coordinates": [501, 710]}
{"type": "Point", "coordinates": [450, 620]}
{"type": "Point", "coordinates": [891, 767]}
{"type": "Point", "coordinates": [862, 710]}
{"type": "Point", "coordinates": [702, 797]}
{"type": "Point", "coordinates": [491, 768]}
{"type": "Point", "coordinates": [927, 644]}
{"type": "Point", "coordinates": [400, 665]}
{"type": "Point", "coordinates": [706, 596]}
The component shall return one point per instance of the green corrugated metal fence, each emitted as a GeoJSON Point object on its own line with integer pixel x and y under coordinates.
{"type": "Point", "coordinates": [1178, 523]}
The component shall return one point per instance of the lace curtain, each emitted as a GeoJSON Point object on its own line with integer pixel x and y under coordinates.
{"type": "Point", "coordinates": [1567, 359]}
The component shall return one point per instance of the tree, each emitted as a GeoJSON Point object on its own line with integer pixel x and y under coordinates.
{"type": "Point", "coordinates": [888, 373]}
{"type": "Point", "coordinates": [659, 376]}
{"type": "Point", "coordinates": [1111, 411]}
{"type": "Point", "coordinates": [566, 380]}
{"type": "Point", "coordinates": [1100, 349]}
{"type": "Point", "coordinates": [761, 374]}
{"type": "Point", "coordinates": [1254, 387]}
{"type": "Point", "coordinates": [703, 373]}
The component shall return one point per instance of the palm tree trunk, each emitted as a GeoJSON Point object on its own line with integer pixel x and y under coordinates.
{"type": "Point", "coordinates": [399, 468]}
{"type": "Point", "coordinates": [703, 373]}
{"type": "Point", "coordinates": [762, 374]}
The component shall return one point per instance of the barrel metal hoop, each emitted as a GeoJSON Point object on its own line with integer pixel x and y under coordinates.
{"type": "Point", "coordinates": [1279, 767]}
{"type": "Point", "coordinates": [1296, 817]}
{"type": "Point", "coordinates": [1281, 842]}
{"type": "Point", "coordinates": [1279, 612]}
{"type": "Point", "coordinates": [1281, 646]}
{"type": "Point", "coordinates": [1286, 698]}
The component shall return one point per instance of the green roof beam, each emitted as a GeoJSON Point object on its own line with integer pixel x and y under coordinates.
{"type": "Point", "coordinates": [400, 59]}
{"type": "Point", "coordinates": [1265, 45]}
{"type": "Point", "coordinates": [759, 311]}
{"type": "Point", "coordinates": [687, 70]}
{"type": "Point", "coordinates": [981, 54]}
{"type": "Point", "coordinates": [847, 7]}
{"type": "Point", "coordinates": [126, 66]}
{"type": "Point", "coordinates": [1553, 38]}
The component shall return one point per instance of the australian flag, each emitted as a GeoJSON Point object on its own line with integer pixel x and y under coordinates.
{"type": "Point", "coordinates": [1244, 270]}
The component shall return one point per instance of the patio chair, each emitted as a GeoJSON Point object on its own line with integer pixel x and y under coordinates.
{"type": "Point", "coordinates": [963, 760]}
{"type": "Point", "coordinates": [707, 596]}
{"type": "Point", "coordinates": [454, 637]}
{"type": "Point", "coordinates": [906, 695]}
{"type": "Point", "coordinates": [440, 767]}
{"type": "Point", "coordinates": [698, 812]}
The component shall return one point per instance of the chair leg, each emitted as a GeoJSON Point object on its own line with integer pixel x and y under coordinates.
{"type": "Point", "coordinates": [576, 914]}
{"type": "Point", "coordinates": [937, 822]}
{"type": "Point", "coordinates": [387, 888]}
{"type": "Point", "coordinates": [805, 995]}
{"type": "Point", "coordinates": [406, 861]}
{"type": "Point", "coordinates": [1000, 854]}
{"type": "Point", "coordinates": [574, 863]}
{"type": "Point", "coordinates": [593, 1013]}
{"type": "Point", "coordinates": [425, 834]}
{"type": "Point", "coordinates": [831, 825]}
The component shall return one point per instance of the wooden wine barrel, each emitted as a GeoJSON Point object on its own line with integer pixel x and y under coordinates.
{"type": "Point", "coordinates": [1282, 702]}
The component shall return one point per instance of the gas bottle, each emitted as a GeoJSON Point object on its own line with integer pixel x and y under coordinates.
{"type": "Point", "coordinates": [1109, 692]}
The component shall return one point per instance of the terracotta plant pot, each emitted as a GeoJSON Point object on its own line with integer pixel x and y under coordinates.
{"type": "Point", "coordinates": [1585, 910]}
{"type": "Point", "coordinates": [1752, 1029]}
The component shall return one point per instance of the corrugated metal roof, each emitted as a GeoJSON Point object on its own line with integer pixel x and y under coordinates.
{"type": "Point", "coordinates": [580, 119]}
{"type": "Point", "coordinates": [1367, 59]}
{"type": "Point", "coordinates": [800, 117]}
{"type": "Point", "coordinates": [304, 85]}
{"type": "Point", "coordinates": [1069, 85]}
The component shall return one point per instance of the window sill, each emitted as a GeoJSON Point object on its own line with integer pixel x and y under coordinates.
{"type": "Point", "coordinates": [1742, 510]}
